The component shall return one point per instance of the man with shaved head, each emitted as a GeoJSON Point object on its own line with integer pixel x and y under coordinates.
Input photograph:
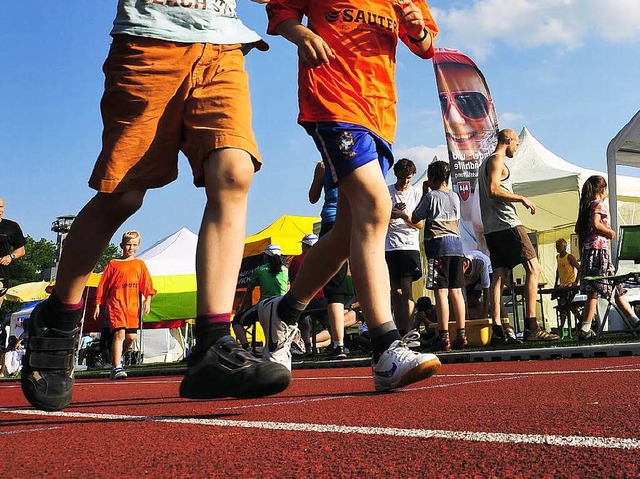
{"type": "Point", "coordinates": [11, 248]}
{"type": "Point", "coordinates": [507, 239]}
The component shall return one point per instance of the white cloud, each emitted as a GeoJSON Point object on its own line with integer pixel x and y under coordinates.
{"type": "Point", "coordinates": [507, 118]}
{"type": "Point", "coordinates": [422, 156]}
{"type": "Point", "coordinates": [563, 25]}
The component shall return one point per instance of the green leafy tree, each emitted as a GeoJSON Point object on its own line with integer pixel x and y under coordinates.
{"type": "Point", "coordinates": [108, 254]}
{"type": "Point", "coordinates": [39, 257]}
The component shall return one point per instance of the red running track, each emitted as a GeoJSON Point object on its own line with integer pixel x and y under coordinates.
{"type": "Point", "coordinates": [542, 419]}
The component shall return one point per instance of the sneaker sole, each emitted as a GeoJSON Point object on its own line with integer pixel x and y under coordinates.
{"type": "Point", "coordinates": [272, 378]}
{"type": "Point", "coordinates": [50, 403]}
{"type": "Point", "coordinates": [338, 356]}
{"type": "Point", "coordinates": [422, 371]}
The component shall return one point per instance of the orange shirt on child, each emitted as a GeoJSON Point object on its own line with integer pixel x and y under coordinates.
{"type": "Point", "coordinates": [119, 291]}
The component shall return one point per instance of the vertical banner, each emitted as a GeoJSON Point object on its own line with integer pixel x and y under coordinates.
{"type": "Point", "coordinates": [471, 129]}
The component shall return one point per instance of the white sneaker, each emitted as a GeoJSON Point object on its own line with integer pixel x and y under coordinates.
{"type": "Point", "coordinates": [399, 366]}
{"type": "Point", "coordinates": [278, 334]}
{"type": "Point", "coordinates": [118, 373]}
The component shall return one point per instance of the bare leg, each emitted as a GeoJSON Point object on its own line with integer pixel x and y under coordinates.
{"type": "Point", "coordinates": [457, 301]}
{"type": "Point", "coordinates": [228, 174]}
{"type": "Point", "coordinates": [336, 321]}
{"type": "Point", "coordinates": [442, 309]}
{"type": "Point", "coordinates": [117, 347]}
{"type": "Point", "coordinates": [533, 271]}
{"type": "Point", "coordinates": [500, 278]}
{"type": "Point", "coordinates": [90, 234]}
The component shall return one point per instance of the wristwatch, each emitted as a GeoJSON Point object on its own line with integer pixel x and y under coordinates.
{"type": "Point", "coordinates": [12, 256]}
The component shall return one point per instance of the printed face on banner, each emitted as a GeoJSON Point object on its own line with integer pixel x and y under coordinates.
{"type": "Point", "coordinates": [468, 114]}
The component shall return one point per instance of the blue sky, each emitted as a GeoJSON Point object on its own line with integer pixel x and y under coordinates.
{"type": "Point", "coordinates": [565, 69]}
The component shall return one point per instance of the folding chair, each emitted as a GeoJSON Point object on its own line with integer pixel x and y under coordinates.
{"type": "Point", "coordinates": [628, 249]}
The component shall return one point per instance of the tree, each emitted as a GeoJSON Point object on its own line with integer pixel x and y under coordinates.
{"type": "Point", "coordinates": [39, 257]}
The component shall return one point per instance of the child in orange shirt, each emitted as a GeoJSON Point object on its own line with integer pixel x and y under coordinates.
{"type": "Point", "coordinates": [119, 290]}
{"type": "Point", "coordinates": [347, 98]}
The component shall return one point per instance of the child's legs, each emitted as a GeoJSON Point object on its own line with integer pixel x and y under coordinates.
{"type": "Point", "coordinates": [90, 234]}
{"type": "Point", "coordinates": [590, 308]}
{"type": "Point", "coordinates": [129, 338]}
{"type": "Point", "coordinates": [228, 173]}
{"type": "Point", "coordinates": [336, 315]}
{"type": "Point", "coordinates": [624, 305]}
{"type": "Point", "coordinates": [369, 204]}
{"type": "Point", "coordinates": [442, 308]}
{"type": "Point", "coordinates": [117, 342]}
{"type": "Point", "coordinates": [457, 301]}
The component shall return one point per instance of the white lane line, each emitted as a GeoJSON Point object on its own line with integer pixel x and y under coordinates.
{"type": "Point", "coordinates": [35, 429]}
{"type": "Point", "coordinates": [485, 437]}
{"type": "Point", "coordinates": [541, 373]}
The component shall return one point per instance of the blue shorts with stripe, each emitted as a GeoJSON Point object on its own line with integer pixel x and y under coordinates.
{"type": "Point", "coordinates": [345, 147]}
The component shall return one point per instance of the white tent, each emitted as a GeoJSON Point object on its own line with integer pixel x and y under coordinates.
{"type": "Point", "coordinates": [171, 261]}
{"type": "Point", "coordinates": [554, 185]}
{"type": "Point", "coordinates": [623, 150]}
{"type": "Point", "coordinates": [175, 254]}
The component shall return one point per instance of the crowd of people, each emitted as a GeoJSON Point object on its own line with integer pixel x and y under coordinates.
{"type": "Point", "coordinates": [176, 82]}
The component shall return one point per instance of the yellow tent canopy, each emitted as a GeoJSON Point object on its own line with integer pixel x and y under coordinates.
{"type": "Point", "coordinates": [37, 290]}
{"type": "Point", "coordinates": [26, 292]}
{"type": "Point", "coordinates": [287, 231]}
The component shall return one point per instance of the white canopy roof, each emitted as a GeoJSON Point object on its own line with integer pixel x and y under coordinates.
{"type": "Point", "coordinates": [173, 255]}
{"type": "Point", "coordinates": [554, 184]}
{"type": "Point", "coordinates": [623, 150]}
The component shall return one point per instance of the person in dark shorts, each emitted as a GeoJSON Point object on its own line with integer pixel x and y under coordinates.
{"type": "Point", "coordinates": [506, 238]}
{"type": "Point", "coordinates": [11, 248]}
{"type": "Point", "coordinates": [402, 244]}
{"type": "Point", "coordinates": [440, 207]}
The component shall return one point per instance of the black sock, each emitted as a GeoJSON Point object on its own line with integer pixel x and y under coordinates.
{"type": "Point", "coordinates": [497, 331]}
{"type": "Point", "coordinates": [61, 315]}
{"type": "Point", "coordinates": [211, 327]}
{"type": "Point", "coordinates": [443, 333]}
{"type": "Point", "coordinates": [461, 332]}
{"type": "Point", "coordinates": [382, 336]}
{"type": "Point", "coordinates": [290, 310]}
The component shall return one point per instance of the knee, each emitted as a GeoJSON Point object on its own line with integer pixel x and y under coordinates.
{"type": "Point", "coordinates": [121, 205]}
{"type": "Point", "coordinates": [228, 174]}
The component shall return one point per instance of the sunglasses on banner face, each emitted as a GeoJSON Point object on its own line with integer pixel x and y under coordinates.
{"type": "Point", "coordinates": [472, 105]}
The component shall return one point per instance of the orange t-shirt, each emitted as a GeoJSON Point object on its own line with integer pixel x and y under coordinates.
{"type": "Point", "coordinates": [359, 85]}
{"type": "Point", "coordinates": [119, 290]}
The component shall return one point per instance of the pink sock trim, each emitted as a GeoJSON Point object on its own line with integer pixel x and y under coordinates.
{"type": "Point", "coordinates": [64, 307]}
{"type": "Point", "coordinates": [213, 318]}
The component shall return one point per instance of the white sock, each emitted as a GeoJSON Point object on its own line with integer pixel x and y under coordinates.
{"type": "Point", "coordinates": [586, 327]}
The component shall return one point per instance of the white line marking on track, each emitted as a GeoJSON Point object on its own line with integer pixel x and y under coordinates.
{"type": "Point", "coordinates": [35, 429]}
{"type": "Point", "coordinates": [486, 437]}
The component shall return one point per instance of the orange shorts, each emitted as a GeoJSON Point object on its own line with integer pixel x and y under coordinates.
{"type": "Point", "coordinates": [163, 97]}
{"type": "Point", "coordinates": [123, 321]}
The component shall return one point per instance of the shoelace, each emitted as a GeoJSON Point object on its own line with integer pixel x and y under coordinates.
{"type": "Point", "coordinates": [411, 336]}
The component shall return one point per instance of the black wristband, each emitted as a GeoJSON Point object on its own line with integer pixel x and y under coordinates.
{"type": "Point", "coordinates": [417, 41]}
